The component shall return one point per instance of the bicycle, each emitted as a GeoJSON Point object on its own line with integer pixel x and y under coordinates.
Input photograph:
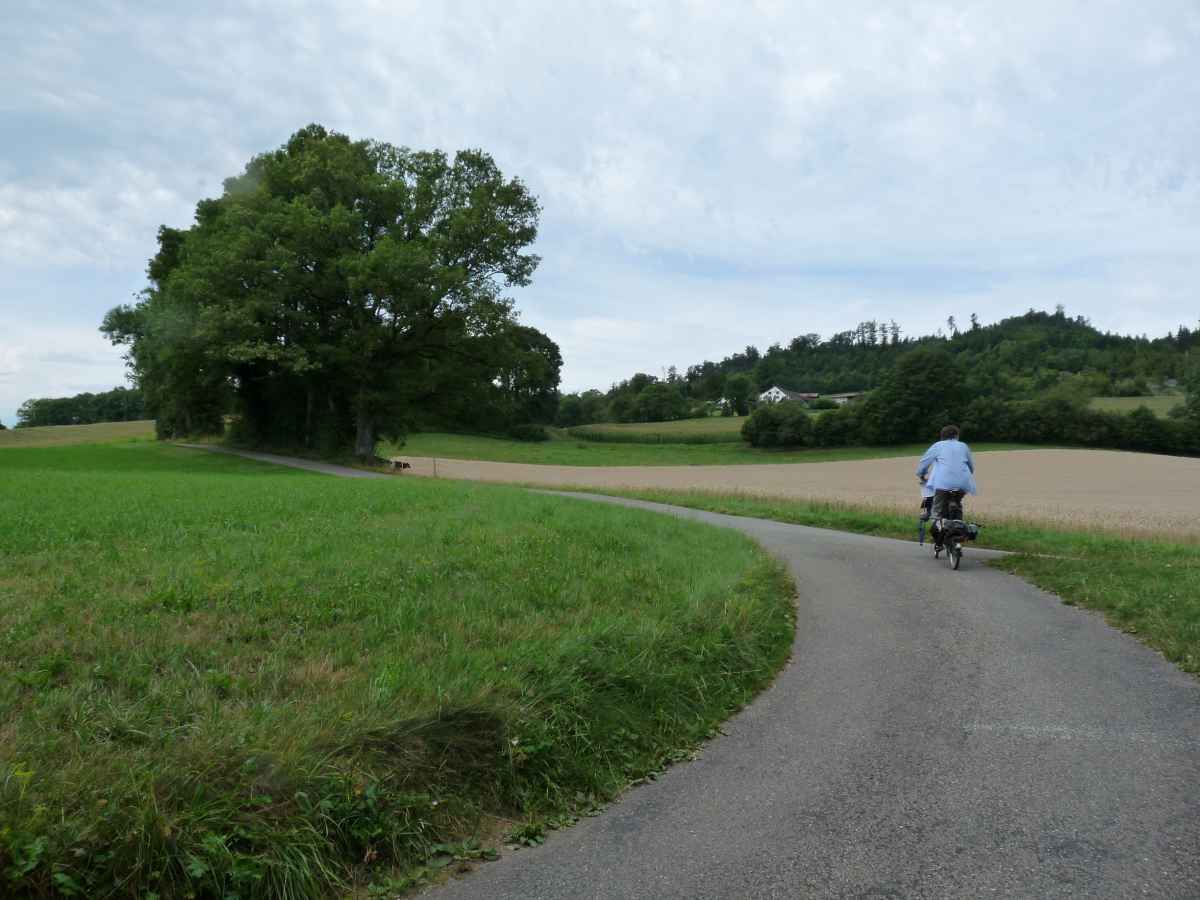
{"type": "Point", "coordinates": [950, 532]}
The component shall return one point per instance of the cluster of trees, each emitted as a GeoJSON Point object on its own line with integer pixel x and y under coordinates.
{"type": "Point", "coordinates": [338, 291]}
{"type": "Point", "coordinates": [645, 398]}
{"type": "Point", "coordinates": [1038, 355]}
{"type": "Point", "coordinates": [929, 388]}
{"type": "Point", "coordinates": [118, 405]}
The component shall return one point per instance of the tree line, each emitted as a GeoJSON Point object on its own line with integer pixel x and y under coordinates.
{"type": "Point", "coordinates": [1035, 356]}
{"type": "Point", "coordinates": [339, 291]}
{"type": "Point", "coordinates": [929, 388]}
{"type": "Point", "coordinates": [118, 405]}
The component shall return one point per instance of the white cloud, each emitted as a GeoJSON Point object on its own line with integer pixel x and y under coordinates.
{"type": "Point", "coordinates": [53, 361]}
{"type": "Point", "coordinates": [695, 159]}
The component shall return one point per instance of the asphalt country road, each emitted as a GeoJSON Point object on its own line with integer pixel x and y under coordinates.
{"type": "Point", "coordinates": [936, 734]}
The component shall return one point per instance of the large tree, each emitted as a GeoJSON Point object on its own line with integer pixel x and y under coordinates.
{"type": "Point", "coordinates": [330, 290]}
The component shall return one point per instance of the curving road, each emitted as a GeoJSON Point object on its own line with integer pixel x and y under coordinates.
{"type": "Point", "coordinates": [936, 734]}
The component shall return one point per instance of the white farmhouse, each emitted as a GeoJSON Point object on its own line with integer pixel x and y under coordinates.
{"type": "Point", "coordinates": [775, 393]}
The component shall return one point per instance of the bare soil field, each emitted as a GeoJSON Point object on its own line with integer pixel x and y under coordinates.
{"type": "Point", "coordinates": [1134, 492]}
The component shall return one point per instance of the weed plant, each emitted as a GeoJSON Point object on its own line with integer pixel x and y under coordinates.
{"type": "Point", "coordinates": [220, 679]}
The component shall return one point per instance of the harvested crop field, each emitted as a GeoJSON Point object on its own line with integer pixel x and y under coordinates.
{"type": "Point", "coordinates": [1134, 492]}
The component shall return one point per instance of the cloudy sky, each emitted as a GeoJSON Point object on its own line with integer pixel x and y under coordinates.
{"type": "Point", "coordinates": [713, 174]}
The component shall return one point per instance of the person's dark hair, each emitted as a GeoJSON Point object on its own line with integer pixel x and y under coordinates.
{"type": "Point", "coordinates": [950, 431]}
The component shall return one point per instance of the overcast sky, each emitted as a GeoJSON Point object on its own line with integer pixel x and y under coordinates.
{"type": "Point", "coordinates": [713, 174]}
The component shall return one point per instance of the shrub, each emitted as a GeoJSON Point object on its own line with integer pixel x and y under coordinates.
{"type": "Point", "coordinates": [529, 432]}
{"type": "Point", "coordinates": [783, 424]}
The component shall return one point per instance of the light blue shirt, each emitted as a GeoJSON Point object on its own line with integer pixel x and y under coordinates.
{"type": "Point", "coordinates": [953, 466]}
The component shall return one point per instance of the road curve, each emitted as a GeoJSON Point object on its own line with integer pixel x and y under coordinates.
{"type": "Point", "coordinates": [936, 734]}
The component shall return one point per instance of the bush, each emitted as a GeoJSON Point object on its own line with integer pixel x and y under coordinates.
{"type": "Point", "coordinates": [529, 432]}
{"type": "Point", "coordinates": [822, 403]}
{"type": "Point", "coordinates": [783, 424]}
{"type": "Point", "coordinates": [1131, 387]}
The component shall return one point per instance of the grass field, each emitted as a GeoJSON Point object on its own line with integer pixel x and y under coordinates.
{"type": "Point", "coordinates": [1148, 587]}
{"type": "Point", "coordinates": [222, 679]}
{"type": "Point", "coordinates": [62, 435]}
{"type": "Point", "coordinates": [1160, 404]}
{"type": "Point", "coordinates": [710, 430]}
{"type": "Point", "coordinates": [566, 452]}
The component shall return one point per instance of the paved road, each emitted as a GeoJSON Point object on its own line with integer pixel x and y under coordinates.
{"type": "Point", "coordinates": [311, 465]}
{"type": "Point", "coordinates": [937, 734]}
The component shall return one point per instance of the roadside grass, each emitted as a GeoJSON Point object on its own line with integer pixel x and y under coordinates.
{"type": "Point", "coordinates": [709, 430]}
{"type": "Point", "coordinates": [1159, 404]}
{"type": "Point", "coordinates": [220, 678]}
{"type": "Point", "coordinates": [62, 435]}
{"type": "Point", "coordinates": [564, 451]}
{"type": "Point", "coordinates": [1145, 586]}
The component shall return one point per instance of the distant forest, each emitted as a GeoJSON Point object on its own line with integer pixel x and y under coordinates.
{"type": "Point", "coordinates": [118, 405]}
{"type": "Point", "coordinates": [1037, 355]}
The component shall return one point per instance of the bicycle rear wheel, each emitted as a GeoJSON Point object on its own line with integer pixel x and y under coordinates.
{"type": "Point", "coordinates": [955, 552]}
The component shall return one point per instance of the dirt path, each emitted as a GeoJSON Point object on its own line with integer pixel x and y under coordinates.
{"type": "Point", "coordinates": [1135, 492]}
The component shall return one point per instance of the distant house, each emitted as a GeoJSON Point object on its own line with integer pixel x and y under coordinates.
{"type": "Point", "coordinates": [843, 399]}
{"type": "Point", "coordinates": [776, 393]}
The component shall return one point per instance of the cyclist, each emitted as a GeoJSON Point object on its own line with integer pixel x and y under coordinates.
{"type": "Point", "coordinates": [953, 471]}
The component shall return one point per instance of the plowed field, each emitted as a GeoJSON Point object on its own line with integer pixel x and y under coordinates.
{"type": "Point", "coordinates": [1134, 492]}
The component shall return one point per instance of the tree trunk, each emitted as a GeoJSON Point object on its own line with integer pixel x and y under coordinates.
{"type": "Point", "coordinates": [364, 440]}
{"type": "Point", "coordinates": [308, 417]}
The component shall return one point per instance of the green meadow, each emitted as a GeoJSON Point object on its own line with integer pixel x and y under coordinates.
{"type": "Point", "coordinates": [225, 679]}
{"type": "Point", "coordinates": [562, 450]}
{"type": "Point", "coordinates": [709, 430]}
{"type": "Point", "coordinates": [63, 435]}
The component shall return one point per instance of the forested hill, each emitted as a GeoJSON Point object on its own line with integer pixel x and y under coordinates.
{"type": "Point", "coordinates": [1017, 357]}
{"type": "Point", "coordinates": [1021, 358]}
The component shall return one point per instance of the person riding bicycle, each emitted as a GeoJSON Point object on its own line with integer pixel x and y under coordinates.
{"type": "Point", "coordinates": [953, 471]}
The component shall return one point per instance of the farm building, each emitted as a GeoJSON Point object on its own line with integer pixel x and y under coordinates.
{"type": "Point", "coordinates": [843, 399]}
{"type": "Point", "coordinates": [776, 393]}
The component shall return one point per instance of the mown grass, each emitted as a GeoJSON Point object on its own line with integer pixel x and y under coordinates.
{"type": "Point", "coordinates": [62, 435]}
{"type": "Point", "coordinates": [1159, 404]}
{"type": "Point", "coordinates": [1146, 586]}
{"type": "Point", "coordinates": [709, 430]}
{"type": "Point", "coordinates": [564, 451]}
{"type": "Point", "coordinates": [219, 678]}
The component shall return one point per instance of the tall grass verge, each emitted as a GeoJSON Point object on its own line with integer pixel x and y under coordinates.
{"type": "Point", "coordinates": [219, 678]}
{"type": "Point", "coordinates": [1148, 586]}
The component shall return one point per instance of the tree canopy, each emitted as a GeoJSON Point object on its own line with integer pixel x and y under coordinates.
{"type": "Point", "coordinates": [336, 289]}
